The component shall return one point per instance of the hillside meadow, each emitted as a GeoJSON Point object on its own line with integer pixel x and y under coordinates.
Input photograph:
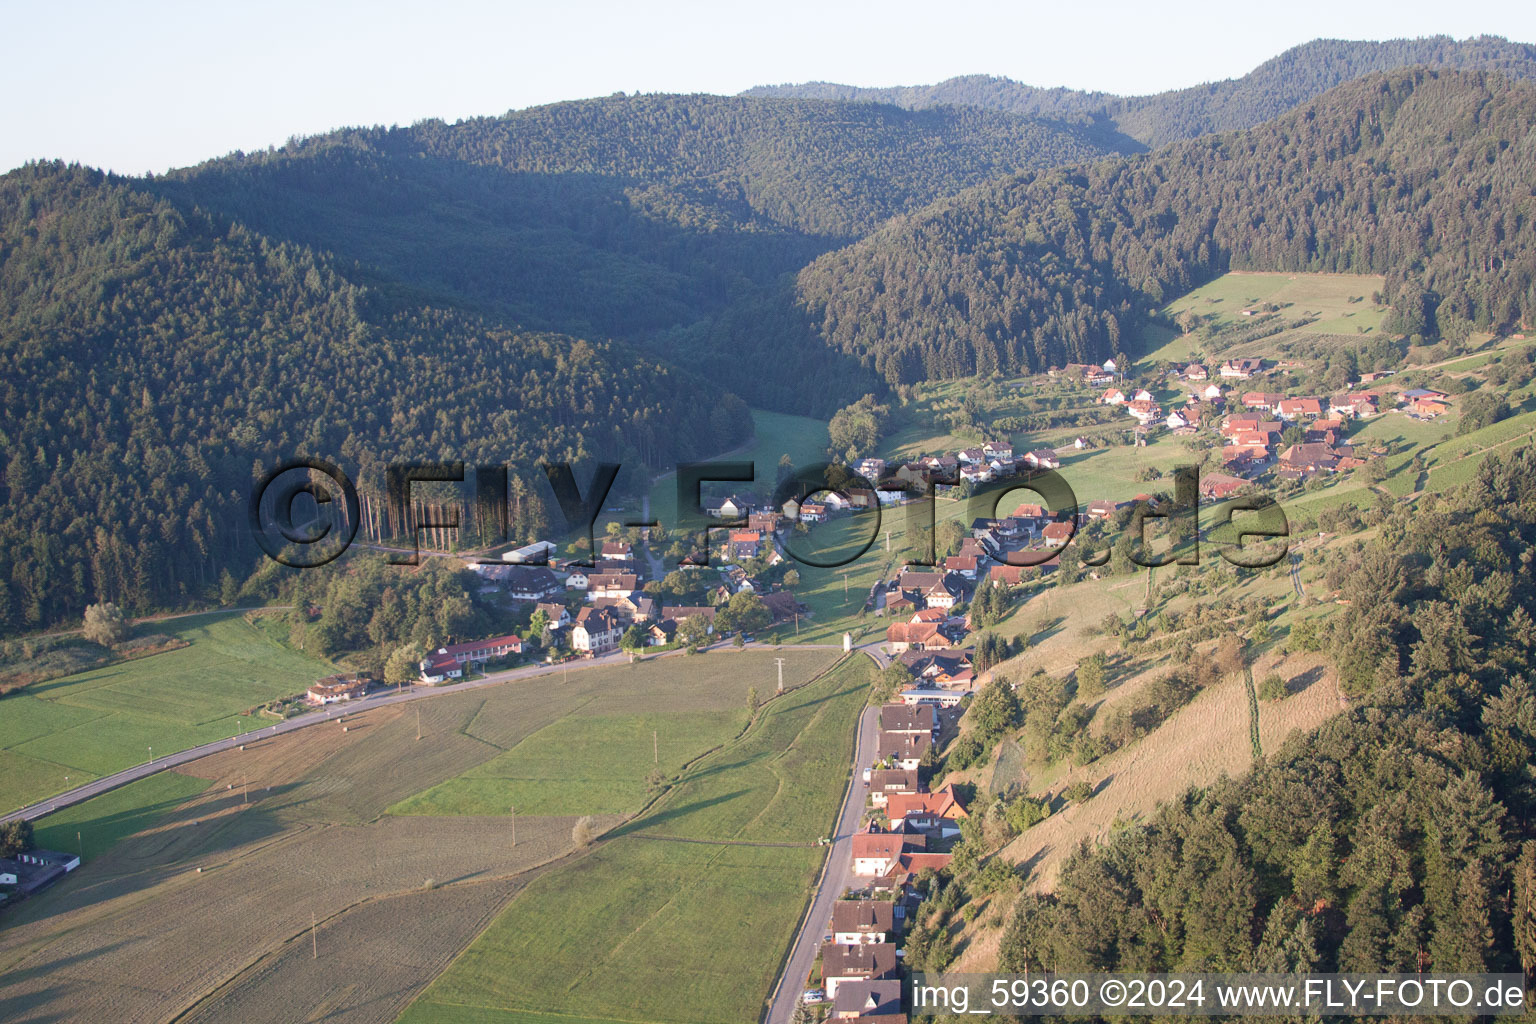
{"type": "Point", "coordinates": [98, 722]}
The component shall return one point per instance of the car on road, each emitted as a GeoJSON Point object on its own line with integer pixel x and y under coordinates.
{"type": "Point", "coordinates": [813, 995]}
{"type": "Point", "coordinates": [747, 638]}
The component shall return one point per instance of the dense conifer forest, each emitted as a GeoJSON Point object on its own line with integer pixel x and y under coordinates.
{"type": "Point", "coordinates": [1277, 85]}
{"type": "Point", "coordinates": [151, 360]}
{"type": "Point", "coordinates": [1421, 175]}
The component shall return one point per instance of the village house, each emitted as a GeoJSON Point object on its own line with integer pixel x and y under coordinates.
{"type": "Point", "coordinates": [1301, 460]}
{"type": "Point", "coordinates": [1144, 411]}
{"type": "Point", "coordinates": [934, 589]}
{"type": "Point", "coordinates": [1241, 369]}
{"type": "Point", "coordinates": [1000, 450]}
{"type": "Point", "coordinates": [1219, 486]}
{"type": "Point", "coordinates": [556, 614]}
{"type": "Point", "coordinates": [1291, 409]}
{"type": "Point", "coordinates": [875, 852]}
{"type": "Point", "coordinates": [612, 584]}
{"type": "Point", "coordinates": [577, 579]}
{"type": "Point", "coordinates": [1261, 401]}
{"type": "Point", "coordinates": [596, 632]}
{"type": "Point", "coordinates": [618, 550]}
{"type": "Point", "coordinates": [869, 1002]}
{"type": "Point", "coordinates": [895, 718]}
{"type": "Point", "coordinates": [1042, 458]}
{"type": "Point", "coordinates": [526, 582]}
{"type": "Point", "coordinates": [862, 962]}
{"type": "Point", "coordinates": [1114, 396]}
{"type": "Point", "coordinates": [439, 668]}
{"type": "Point", "coordinates": [887, 782]}
{"type": "Point", "coordinates": [1353, 405]}
{"type": "Point", "coordinates": [860, 921]}
{"type": "Point", "coordinates": [937, 668]}
{"type": "Point", "coordinates": [870, 469]}
{"type": "Point", "coordinates": [764, 523]}
{"type": "Point", "coordinates": [932, 813]}
{"type": "Point", "coordinates": [480, 651]}
{"type": "Point", "coordinates": [745, 543]}
{"type": "Point", "coordinates": [965, 565]}
{"type": "Point", "coordinates": [1195, 371]}
{"type": "Point", "coordinates": [919, 636]}
{"type": "Point", "coordinates": [335, 689]}
{"type": "Point", "coordinates": [1056, 535]}
{"type": "Point", "coordinates": [813, 512]}
{"type": "Point", "coordinates": [1006, 575]}
{"type": "Point", "coordinates": [903, 749]}
{"type": "Point", "coordinates": [1102, 509]}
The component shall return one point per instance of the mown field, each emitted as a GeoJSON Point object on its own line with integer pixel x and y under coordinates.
{"type": "Point", "coordinates": [596, 759]}
{"type": "Point", "coordinates": [683, 916]}
{"type": "Point", "coordinates": [197, 893]}
{"type": "Point", "coordinates": [98, 722]}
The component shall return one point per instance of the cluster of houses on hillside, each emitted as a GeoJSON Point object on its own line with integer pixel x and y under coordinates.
{"type": "Point", "coordinates": [909, 830]}
{"type": "Point", "coordinates": [1252, 437]}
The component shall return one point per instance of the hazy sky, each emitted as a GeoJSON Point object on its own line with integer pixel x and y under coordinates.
{"type": "Point", "coordinates": [148, 86]}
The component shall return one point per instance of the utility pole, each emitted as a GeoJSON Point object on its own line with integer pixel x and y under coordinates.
{"type": "Point", "coordinates": [81, 843]}
{"type": "Point", "coordinates": [887, 541]}
{"type": "Point", "coordinates": [418, 721]}
{"type": "Point", "coordinates": [780, 662]}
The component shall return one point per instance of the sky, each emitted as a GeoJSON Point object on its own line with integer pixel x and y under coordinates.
{"type": "Point", "coordinates": [150, 86]}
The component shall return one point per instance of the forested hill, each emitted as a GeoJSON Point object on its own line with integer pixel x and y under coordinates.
{"type": "Point", "coordinates": [1399, 837]}
{"type": "Point", "coordinates": [150, 358]}
{"type": "Point", "coordinates": [1421, 175]}
{"type": "Point", "coordinates": [656, 219]}
{"type": "Point", "coordinates": [1271, 89]}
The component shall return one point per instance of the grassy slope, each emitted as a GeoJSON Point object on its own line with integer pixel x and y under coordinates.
{"type": "Point", "coordinates": [650, 929]}
{"type": "Point", "coordinates": [101, 721]}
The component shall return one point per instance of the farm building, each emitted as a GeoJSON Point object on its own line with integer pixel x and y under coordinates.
{"type": "Point", "coordinates": [334, 689]}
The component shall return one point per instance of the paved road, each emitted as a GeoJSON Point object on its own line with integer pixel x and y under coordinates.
{"type": "Point", "coordinates": [381, 699]}
{"type": "Point", "coordinates": [838, 875]}
{"type": "Point", "coordinates": [834, 882]}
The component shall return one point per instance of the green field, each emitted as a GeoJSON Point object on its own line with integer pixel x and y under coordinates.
{"type": "Point", "coordinates": [98, 722]}
{"type": "Point", "coordinates": [775, 434]}
{"type": "Point", "coordinates": [1222, 301]}
{"type": "Point", "coordinates": [648, 928]}
{"type": "Point", "coordinates": [595, 759]}
{"type": "Point", "coordinates": [101, 821]}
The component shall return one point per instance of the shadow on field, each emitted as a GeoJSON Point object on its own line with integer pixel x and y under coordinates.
{"type": "Point", "coordinates": [143, 847]}
{"type": "Point", "coordinates": [16, 1008]}
{"type": "Point", "coordinates": [1296, 684]}
{"type": "Point", "coordinates": [672, 814]}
